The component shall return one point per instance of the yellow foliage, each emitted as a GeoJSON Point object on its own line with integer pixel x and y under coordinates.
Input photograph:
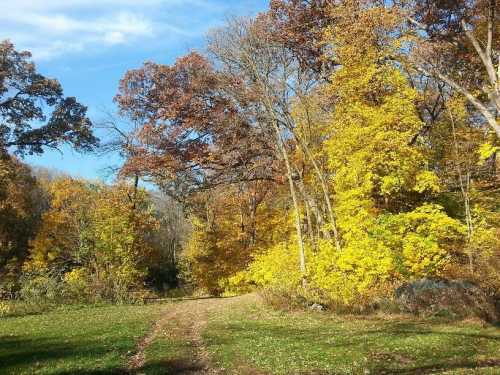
{"type": "Point", "coordinates": [350, 273]}
{"type": "Point", "coordinates": [5, 308]}
{"type": "Point", "coordinates": [97, 234]}
{"type": "Point", "coordinates": [278, 267]}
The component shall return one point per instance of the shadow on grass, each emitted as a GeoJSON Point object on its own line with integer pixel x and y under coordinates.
{"type": "Point", "coordinates": [435, 368]}
{"type": "Point", "coordinates": [20, 355]}
{"type": "Point", "coordinates": [168, 367]}
{"type": "Point", "coordinates": [390, 348]}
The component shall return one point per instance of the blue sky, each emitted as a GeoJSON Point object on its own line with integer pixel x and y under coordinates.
{"type": "Point", "coordinates": [89, 44]}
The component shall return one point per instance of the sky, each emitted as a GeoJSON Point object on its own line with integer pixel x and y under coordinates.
{"type": "Point", "coordinates": [88, 45]}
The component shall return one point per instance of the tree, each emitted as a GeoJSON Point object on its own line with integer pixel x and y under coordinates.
{"type": "Point", "coordinates": [192, 135]}
{"type": "Point", "coordinates": [64, 240]}
{"type": "Point", "coordinates": [458, 43]}
{"type": "Point", "coordinates": [122, 236]}
{"type": "Point", "coordinates": [25, 97]}
{"type": "Point", "coordinates": [22, 202]}
{"type": "Point", "coordinates": [95, 237]}
{"type": "Point", "coordinates": [228, 233]}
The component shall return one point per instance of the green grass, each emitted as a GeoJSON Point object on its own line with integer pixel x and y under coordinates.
{"type": "Point", "coordinates": [87, 340]}
{"type": "Point", "coordinates": [315, 343]}
{"type": "Point", "coordinates": [246, 338]}
{"type": "Point", "coordinates": [166, 355]}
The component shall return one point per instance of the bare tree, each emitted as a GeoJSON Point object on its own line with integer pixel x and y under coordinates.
{"type": "Point", "coordinates": [458, 43]}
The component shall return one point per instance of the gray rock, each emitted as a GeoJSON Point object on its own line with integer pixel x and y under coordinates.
{"type": "Point", "coordinates": [457, 298]}
{"type": "Point", "coordinates": [316, 307]}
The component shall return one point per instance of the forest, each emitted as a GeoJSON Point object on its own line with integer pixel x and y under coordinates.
{"type": "Point", "coordinates": [323, 153]}
{"type": "Point", "coordinates": [315, 191]}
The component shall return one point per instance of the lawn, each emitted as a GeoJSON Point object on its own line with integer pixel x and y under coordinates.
{"type": "Point", "coordinates": [88, 340]}
{"type": "Point", "coordinates": [244, 337]}
{"type": "Point", "coordinates": [252, 339]}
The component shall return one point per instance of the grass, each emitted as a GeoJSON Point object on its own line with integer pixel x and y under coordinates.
{"type": "Point", "coordinates": [273, 342]}
{"type": "Point", "coordinates": [244, 337]}
{"type": "Point", "coordinates": [165, 355]}
{"type": "Point", "coordinates": [85, 340]}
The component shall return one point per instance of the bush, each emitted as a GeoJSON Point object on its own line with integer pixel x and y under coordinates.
{"type": "Point", "coordinates": [5, 308]}
{"type": "Point", "coordinates": [283, 299]}
{"type": "Point", "coordinates": [41, 288]}
{"type": "Point", "coordinates": [20, 308]}
{"type": "Point", "coordinates": [76, 285]}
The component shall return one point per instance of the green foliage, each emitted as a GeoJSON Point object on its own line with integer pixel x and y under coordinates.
{"type": "Point", "coordinates": [40, 288]}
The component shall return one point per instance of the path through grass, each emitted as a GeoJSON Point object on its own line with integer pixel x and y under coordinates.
{"type": "Point", "coordinates": [240, 336]}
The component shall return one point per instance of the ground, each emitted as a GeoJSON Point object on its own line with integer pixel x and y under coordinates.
{"type": "Point", "coordinates": [240, 336]}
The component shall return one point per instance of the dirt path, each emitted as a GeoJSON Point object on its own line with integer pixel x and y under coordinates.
{"type": "Point", "coordinates": [185, 320]}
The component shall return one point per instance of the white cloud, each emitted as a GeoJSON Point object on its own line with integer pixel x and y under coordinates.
{"type": "Point", "coordinates": [50, 5]}
{"type": "Point", "coordinates": [51, 28]}
{"type": "Point", "coordinates": [114, 37]}
{"type": "Point", "coordinates": [56, 28]}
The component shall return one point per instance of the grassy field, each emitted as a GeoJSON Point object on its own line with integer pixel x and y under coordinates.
{"type": "Point", "coordinates": [89, 340]}
{"type": "Point", "coordinates": [317, 343]}
{"type": "Point", "coordinates": [240, 336]}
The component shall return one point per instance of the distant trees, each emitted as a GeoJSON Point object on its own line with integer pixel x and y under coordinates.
{"type": "Point", "coordinates": [96, 240]}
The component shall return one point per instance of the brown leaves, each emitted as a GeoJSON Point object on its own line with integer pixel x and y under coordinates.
{"type": "Point", "coordinates": [193, 128]}
{"type": "Point", "coordinates": [301, 25]}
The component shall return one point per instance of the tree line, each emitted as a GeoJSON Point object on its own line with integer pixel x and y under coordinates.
{"type": "Point", "coordinates": [324, 149]}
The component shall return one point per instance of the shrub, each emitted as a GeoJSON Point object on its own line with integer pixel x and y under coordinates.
{"type": "Point", "coordinates": [41, 288]}
{"type": "Point", "coordinates": [5, 308]}
{"type": "Point", "coordinates": [76, 285]}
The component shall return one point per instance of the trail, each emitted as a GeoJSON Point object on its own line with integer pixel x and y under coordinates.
{"type": "Point", "coordinates": [185, 320]}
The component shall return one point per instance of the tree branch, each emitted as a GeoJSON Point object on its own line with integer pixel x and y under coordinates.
{"type": "Point", "coordinates": [490, 117]}
{"type": "Point", "coordinates": [488, 64]}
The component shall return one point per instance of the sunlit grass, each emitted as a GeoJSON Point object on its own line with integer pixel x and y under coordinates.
{"type": "Point", "coordinates": [246, 338]}
{"type": "Point", "coordinates": [85, 340]}
{"type": "Point", "coordinates": [290, 343]}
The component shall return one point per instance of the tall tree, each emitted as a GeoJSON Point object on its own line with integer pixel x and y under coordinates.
{"type": "Point", "coordinates": [34, 113]}
{"type": "Point", "coordinates": [192, 136]}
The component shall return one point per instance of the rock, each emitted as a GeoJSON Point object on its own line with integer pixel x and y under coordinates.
{"type": "Point", "coordinates": [456, 298]}
{"type": "Point", "coordinates": [316, 307]}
